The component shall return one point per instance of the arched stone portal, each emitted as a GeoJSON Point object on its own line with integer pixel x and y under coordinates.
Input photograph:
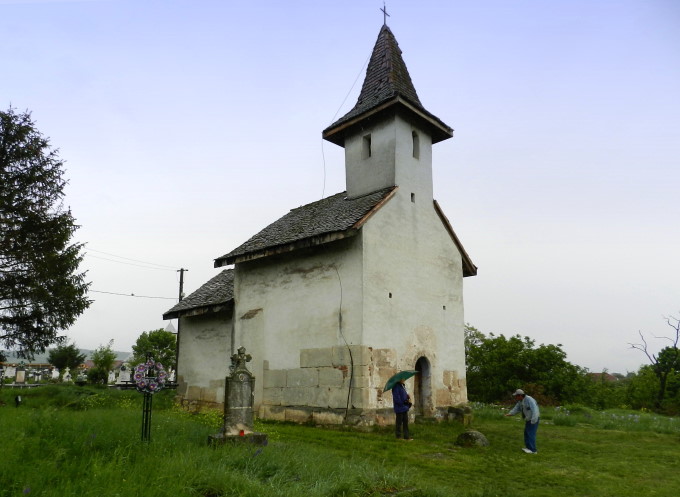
{"type": "Point", "coordinates": [422, 390]}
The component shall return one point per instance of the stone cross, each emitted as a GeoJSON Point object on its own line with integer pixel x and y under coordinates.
{"type": "Point", "coordinates": [238, 361]}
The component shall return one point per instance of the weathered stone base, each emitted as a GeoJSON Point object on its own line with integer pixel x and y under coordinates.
{"type": "Point", "coordinates": [253, 438]}
{"type": "Point", "coordinates": [352, 417]}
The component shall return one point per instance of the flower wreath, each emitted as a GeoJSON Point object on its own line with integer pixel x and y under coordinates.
{"type": "Point", "coordinates": [150, 376]}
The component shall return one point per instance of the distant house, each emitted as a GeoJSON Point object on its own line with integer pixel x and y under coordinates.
{"type": "Point", "coordinates": [337, 295]}
{"type": "Point", "coordinates": [605, 377]}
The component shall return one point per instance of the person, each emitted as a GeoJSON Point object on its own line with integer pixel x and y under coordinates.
{"type": "Point", "coordinates": [528, 406]}
{"type": "Point", "coordinates": [402, 403]}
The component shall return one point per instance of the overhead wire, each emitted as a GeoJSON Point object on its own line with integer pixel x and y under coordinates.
{"type": "Point", "coordinates": [160, 267]}
{"type": "Point", "coordinates": [133, 295]}
{"type": "Point", "coordinates": [323, 155]}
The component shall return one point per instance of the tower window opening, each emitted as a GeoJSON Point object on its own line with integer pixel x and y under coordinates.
{"type": "Point", "coordinates": [416, 145]}
{"type": "Point", "coordinates": [413, 198]}
{"type": "Point", "coordinates": [366, 151]}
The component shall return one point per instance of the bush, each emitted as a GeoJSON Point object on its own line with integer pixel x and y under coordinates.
{"type": "Point", "coordinates": [97, 376]}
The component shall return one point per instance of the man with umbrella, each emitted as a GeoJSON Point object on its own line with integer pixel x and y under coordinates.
{"type": "Point", "coordinates": [401, 401]}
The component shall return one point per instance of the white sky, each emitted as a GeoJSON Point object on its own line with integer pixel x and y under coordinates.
{"type": "Point", "coordinates": [189, 125]}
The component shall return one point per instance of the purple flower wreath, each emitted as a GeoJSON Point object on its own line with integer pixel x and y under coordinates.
{"type": "Point", "coordinates": [150, 376]}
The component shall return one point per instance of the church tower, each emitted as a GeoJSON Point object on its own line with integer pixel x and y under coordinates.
{"type": "Point", "coordinates": [388, 135]}
{"type": "Point", "coordinates": [337, 295]}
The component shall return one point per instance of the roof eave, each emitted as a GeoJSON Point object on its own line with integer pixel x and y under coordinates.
{"type": "Point", "coordinates": [286, 248]}
{"type": "Point", "coordinates": [199, 311]}
{"type": "Point", "coordinates": [440, 131]}
{"type": "Point", "coordinates": [469, 269]}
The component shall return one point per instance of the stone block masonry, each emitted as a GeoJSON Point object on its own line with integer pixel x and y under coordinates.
{"type": "Point", "coordinates": [319, 390]}
{"type": "Point", "coordinates": [322, 383]}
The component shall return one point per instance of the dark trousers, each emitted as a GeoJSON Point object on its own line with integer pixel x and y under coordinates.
{"type": "Point", "coordinates": [402, 424]}
{"type": "Point", "coordinates": [530, 435]}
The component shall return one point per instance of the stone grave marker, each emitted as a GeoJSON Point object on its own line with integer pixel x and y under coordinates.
{"type": "Point", "coordinates": [239, 397]}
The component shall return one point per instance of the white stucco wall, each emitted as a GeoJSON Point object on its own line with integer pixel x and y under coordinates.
{"type": "Point", "coordinates": [409, 254]}
{"type": "Point", "coordinates": [424, 316]}
{"type": "Point", "coordinates": [391, 162]}
{"type": "Point", "coordinates": [204, 357]}
{"type": "Point", "coordinates": [291, 302]}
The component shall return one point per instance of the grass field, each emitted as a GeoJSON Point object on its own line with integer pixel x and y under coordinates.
{"type": "Point", "coordinates": [80, 442]}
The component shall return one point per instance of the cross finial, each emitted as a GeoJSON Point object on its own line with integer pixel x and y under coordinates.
{"type": "Point", "coordinates": [385, 14]}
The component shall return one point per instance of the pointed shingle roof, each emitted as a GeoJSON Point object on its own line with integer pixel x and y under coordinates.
{"type": "Point", "coordinates": [386, 85]}
{"type": "Point", "coordinates": [323, 221]}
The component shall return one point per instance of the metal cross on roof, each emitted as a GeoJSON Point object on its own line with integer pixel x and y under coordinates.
{"type": "Point", "coordinates": [385, 14]}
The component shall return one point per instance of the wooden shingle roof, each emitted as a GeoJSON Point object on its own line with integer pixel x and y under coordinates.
{"type": "Point", "coordinates": [323, 221]}
{"type": "Point", "coordinates": [214, 295]}
{"type": "Point", "coordinates": [387, 85]}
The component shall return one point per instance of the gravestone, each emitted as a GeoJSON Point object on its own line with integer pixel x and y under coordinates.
{"type": "Point", "coordinates": [81, 379]}
{"type": "Point", "coordinates": [20, 378]}
{"type": "Point", "coordinates": [124, 375]}
{"type": "Point", "coordinates": [67, 375]}
{"type": "Point", "coordinates": [239, 397]}
{"type": "Point", "coordinates": [112, 377]}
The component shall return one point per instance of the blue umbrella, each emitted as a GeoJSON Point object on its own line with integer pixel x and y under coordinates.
{"type": "Point", "coordinates": [401, 375]}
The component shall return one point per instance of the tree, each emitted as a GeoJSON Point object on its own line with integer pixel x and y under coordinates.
{"type": "Point", "coordinates": [41, 290]}
{"type": "Point", "coordinates": [497, 365]}
{"type": "Point", "coordinates": [103, 358]}
{"type": "Point", "coordinates": [160, 343]}
{"type": "Point", "coordinates": [666, 363]}
{"type": "Point", "coordinates": [65, 356]}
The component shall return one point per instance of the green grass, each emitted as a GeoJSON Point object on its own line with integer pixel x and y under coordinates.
{"type": "Point", "coordinates": [86, 442]}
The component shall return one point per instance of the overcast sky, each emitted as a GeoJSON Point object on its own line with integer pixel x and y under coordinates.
{"type": "Point", "coordinates": [189, 125]}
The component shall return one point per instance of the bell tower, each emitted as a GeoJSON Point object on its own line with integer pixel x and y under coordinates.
{"type": "Point", "coordinates": [388, 135]}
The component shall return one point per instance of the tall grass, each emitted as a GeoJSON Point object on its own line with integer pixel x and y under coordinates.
{"type": "Point", "coordinates": [80, 442]}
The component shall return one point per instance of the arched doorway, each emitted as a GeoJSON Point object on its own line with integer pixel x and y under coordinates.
{"type": "Point", "coordinates": [422, 391]}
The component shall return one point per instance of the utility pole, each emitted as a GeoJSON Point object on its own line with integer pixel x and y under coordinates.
{"type": "Point", "coordinates": [179, 320]}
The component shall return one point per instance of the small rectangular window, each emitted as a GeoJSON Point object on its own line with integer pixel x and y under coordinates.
{"type": "Point", "coordinates": [413, 198]}
{"type": "Point", "coordinates": [366, 152]}
{"type": "Point", "coordinates": [416, 145]}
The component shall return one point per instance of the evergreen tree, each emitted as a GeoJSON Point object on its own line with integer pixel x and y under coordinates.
{"type": "Point", "coordinates": [64, 356]}
{"type": "Point", "coordinates": [41, 290]}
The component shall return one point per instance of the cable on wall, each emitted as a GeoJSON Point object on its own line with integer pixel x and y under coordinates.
{"type": "Point", "coordinates": [351, 359]}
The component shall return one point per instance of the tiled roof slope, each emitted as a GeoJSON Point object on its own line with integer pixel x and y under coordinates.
{"type": "Point", "coordinates": [217, 291]}
{"type": "Point", "coordinates": [386, 79]}
{"type": "Point", "coordinates": [323, 217]}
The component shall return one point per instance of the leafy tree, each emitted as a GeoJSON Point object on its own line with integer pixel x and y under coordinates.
{"type": "Point", "coordinates": [41, 290]}
{"type": "Point", "coordinates": [160, 343]}
{"type": "Point", "coordinates": [64, 356]}
{"type": "Point", "coordinates": [642, 389]}
{"type": "Point", "coordinates": [665, 364]}
{"type": "Point", "coordinates": [497, 365]}
{"type": "Point", "coordinates": [473, 338]}
{"type": "Point", "coordinates": [103, 358]}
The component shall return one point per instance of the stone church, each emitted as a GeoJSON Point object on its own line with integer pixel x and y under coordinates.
{"type": "Point", "coordinates": [337, 295]}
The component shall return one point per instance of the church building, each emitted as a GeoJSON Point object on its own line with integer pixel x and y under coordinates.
{"type": "Point", "coordinates": [338, 295]}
